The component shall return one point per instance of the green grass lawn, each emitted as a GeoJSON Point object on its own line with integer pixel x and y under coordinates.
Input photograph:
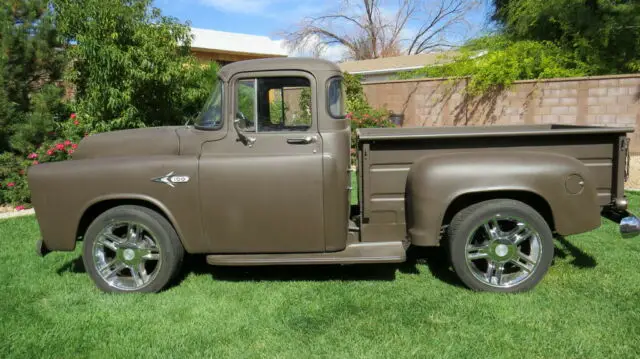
{"type": "Point", "coordinates": [588, 306]}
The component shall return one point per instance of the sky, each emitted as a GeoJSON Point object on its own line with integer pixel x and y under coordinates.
{"type": "Point", "coordinates": [273, 17]}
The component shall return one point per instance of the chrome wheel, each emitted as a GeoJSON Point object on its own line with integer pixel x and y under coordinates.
{"type": "Point", "coordinates": [503, 252]}
{"type": "Point", "coordinates": [126, 255]}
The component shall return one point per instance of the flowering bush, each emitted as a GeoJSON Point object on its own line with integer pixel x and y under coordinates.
{"type": "Point", "coordinates": [360, 112]}
{"type": "Point", "coordinates": [366, 119]}
{"type": "Point", "coordinates": [59, 145]}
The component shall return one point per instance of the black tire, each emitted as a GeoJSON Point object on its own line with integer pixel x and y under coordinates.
{"type": "Point", "coordinates": [171, 252]}
{"type": "Point", "coordinates": [465, 226]}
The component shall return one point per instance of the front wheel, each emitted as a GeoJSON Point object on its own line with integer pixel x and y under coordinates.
{"type": "Point", "coordinates": [132, 249]}
{"type": "Point", "coordinates": [500, 246]}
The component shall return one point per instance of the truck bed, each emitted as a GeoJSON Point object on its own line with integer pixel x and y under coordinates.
{"type": "Point", "coordinates": [367, 134]}
{"type": "Point", "coordinates": [386, 154]}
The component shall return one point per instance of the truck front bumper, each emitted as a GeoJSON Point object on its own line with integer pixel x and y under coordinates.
{"type": "Point", "coordinates": [41, 248]}
{"type": "Point", "coordinates": [630, 226]}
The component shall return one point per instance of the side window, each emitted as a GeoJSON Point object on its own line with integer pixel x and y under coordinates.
{"type": "Point", "coordinates": [274, 104]}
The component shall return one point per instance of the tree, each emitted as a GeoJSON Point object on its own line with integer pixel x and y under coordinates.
{"type": "Point", "coordinates": [367, 30]}
{"type": "Point", "coordinates": [31, 65]}
{"type": "Point", "coordinates": [603, 33]}
{"type": "Point", "coordinates": [131, 66]}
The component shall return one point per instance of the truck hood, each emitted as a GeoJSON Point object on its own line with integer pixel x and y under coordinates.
{"type": "Point", "coordinates": [137, 142]}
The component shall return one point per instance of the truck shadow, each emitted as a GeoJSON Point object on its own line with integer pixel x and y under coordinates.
{"type": "Point", "coordinates": [580, 259]}
{"type": "Point", "coordinates": [434, 259]}
{"type": "Point", "coordinates": [196, 264]}
{"type": "Point", "coordinates": [75, 265]}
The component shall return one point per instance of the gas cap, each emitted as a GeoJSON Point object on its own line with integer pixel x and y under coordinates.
{"type": "Point", "coordinates": [574, 184]}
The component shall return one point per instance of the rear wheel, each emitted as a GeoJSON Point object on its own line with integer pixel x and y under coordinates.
{"type": "Point", "coordinates": [500, 246]}
{"type": "Point", "coordinates": [132, 249]}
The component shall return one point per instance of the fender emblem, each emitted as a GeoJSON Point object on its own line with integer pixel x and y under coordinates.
{"type": "Point", "coordinates": [170, 179]}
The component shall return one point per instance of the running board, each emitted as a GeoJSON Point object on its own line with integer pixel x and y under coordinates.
{"type": "Point", "coordinates": [370, 252]}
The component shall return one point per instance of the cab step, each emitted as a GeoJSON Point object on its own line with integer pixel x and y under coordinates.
{"type": "Point", "coordinates": [356, 253]}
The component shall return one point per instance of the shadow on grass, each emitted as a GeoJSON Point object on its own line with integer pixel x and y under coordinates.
{"type": "Point", "coordinates": [73, 266]}
{"type": "Point", "coordinates": [433, 258]}
{"type": "Point", "coordinates": [580, 258]}
{"type": "Point", "coordinates": [437, 261]}
{"type": "Point", "coordinates": [615, 216]}
{"type": "Point", "coordinates": [380, 272]}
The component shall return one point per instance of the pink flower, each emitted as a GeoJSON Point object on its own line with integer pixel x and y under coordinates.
{"type": "Point", "coordinates": [67, 143]}
{"type": "Point", "coordinates": [50, 152]}
{"type": "Point", "coordinates": [11, 184]}
{"type": "Point", "coordinates": [59, 147]}
{"type": "Point", "coordinates": [19, 208]}
{"type": "Point", "coordinates": [348, 116]}
{"type": "Point", "coordinates": [74, 146]}
{"type": "Point", "coordinates": [73, 116]}
{"type": "Point", "coordinates": [32, 155]}
{"type": "Point", "coordinates": [76, 122]}
{"type": "Point", "coordinates": [35, 162]}
{"type": "Point", "coordinates": [70, 151]}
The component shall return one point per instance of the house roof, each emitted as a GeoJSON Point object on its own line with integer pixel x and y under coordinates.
{"type": "Point", "coordinates": [396, 63]}
{"type": "Point", "coordinates": [221, 41]}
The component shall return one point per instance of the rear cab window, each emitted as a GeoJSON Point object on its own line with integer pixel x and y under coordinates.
{"type": "Point", "coordinates": [335, 98]}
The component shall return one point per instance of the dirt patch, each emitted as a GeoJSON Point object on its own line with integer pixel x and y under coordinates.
{"type": "Point", "coordinates": [6, 209]}
{"type": "Point", "coordinates": [634, 173]}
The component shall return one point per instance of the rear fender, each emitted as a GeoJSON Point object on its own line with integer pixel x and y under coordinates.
{"type": "Point", "coordinates": [435, 182]}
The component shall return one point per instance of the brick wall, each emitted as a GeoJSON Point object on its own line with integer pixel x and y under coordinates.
{"type": "Point", "coordinates": [599, 101]}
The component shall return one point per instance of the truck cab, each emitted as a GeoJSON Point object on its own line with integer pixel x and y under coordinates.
{"type": "Point", "coordinates": [263, 177]}
{"type": "Point", "coordinates": [276, 154]}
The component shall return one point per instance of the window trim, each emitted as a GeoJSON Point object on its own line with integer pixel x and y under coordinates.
{"type": "Point", "coordinates": [260, 74]}
{"type": "Point", "coordinates": [328, 105]}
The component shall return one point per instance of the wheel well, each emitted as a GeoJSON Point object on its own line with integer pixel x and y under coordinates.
{"type": "Point", "coordinates": [534, 200]}
{"type": "Point", "coordinates": [98, 208]}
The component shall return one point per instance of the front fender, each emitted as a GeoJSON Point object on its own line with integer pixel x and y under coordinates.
{"type": "Point", "coordinates": [563, 182]}
{"type": "Point", "coordinates": [62, 191]}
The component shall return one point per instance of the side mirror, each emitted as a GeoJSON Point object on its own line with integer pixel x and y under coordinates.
{"type": "Point", "coordinates": [246, 140]}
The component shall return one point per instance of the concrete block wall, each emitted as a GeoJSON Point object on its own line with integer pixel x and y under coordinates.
{"type": "Point", "coordinates": [597, 101]}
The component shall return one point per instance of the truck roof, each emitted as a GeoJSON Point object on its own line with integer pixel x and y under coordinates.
{"type": "Point", "coordinates": [288, 63]}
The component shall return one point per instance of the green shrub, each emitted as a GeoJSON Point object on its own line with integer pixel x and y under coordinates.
{"type": "Point", "coordinates": [58, 145]}
{"type": "Point", "coordinates": [360, 112]}
{"type": "Point", "coordinates": [494, 63]}
{"type": "Point", "coordinates": [356, 101]}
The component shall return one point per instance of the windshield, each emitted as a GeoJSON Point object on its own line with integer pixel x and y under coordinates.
{"type": "Point", "coordinates": [210, 117]}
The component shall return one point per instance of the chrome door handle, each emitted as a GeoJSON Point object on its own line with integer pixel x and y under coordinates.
{"type": "Point", "coordinates": [302, 141]}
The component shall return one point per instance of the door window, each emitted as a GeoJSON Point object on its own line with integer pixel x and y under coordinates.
{"type": "Point", "coordinates": [274, 104]}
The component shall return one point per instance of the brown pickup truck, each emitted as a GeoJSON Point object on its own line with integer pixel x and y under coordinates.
{"type": "Point", "coordinates": [264, 177]}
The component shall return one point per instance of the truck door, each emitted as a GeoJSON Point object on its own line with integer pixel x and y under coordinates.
{"type": "Point", "coordinates": [265, 195]}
